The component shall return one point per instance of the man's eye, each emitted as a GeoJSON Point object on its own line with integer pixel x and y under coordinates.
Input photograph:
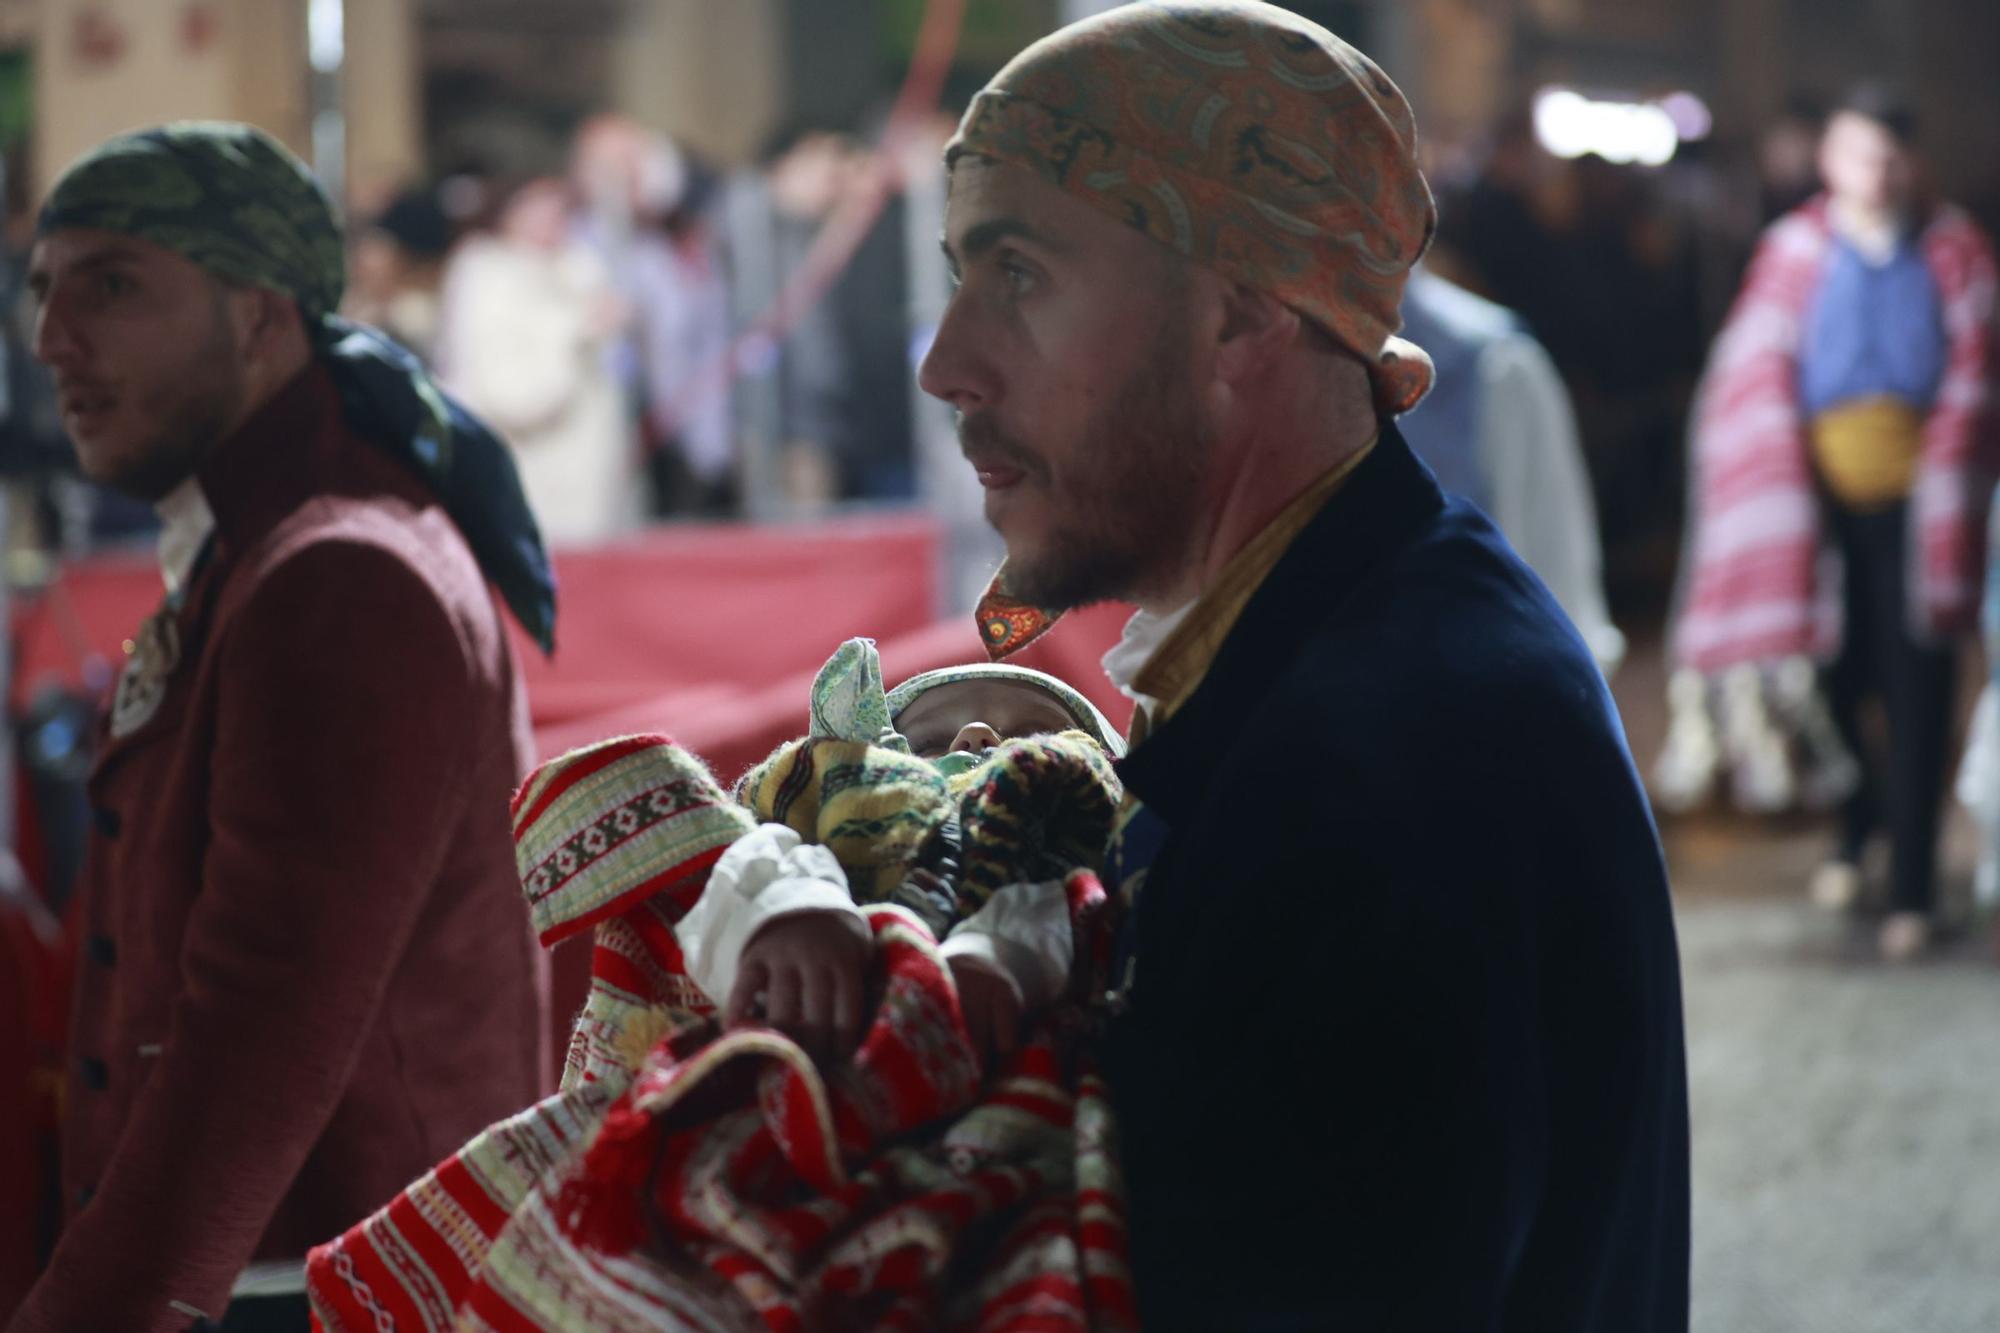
{"type": "Point", "coordinates": [1019, 278]}
{"type": "Point", "coordinates": [114, 284]}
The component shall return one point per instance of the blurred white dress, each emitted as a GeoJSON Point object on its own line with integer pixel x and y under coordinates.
{"type": "Point", "coordinates": [524, 343]}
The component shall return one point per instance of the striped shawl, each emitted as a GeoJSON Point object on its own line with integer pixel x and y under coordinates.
{"type": "Point", "coordinates": [1755, 585]}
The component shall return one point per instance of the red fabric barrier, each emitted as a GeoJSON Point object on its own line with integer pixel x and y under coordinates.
{"type": "Point", "coordinates": [91, 608]}
{"type": "Point", "coordinates": [711, 633]}
{"type": "Point", "coordinates": [690, 608]}
{"type": "Point", "coordinates": [733, 728]}
{"type": "Point", "coordinates": [675, 608]}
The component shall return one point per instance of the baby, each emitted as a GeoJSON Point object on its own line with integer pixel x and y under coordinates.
{"type": "Point", "coordinates": [965, 794]}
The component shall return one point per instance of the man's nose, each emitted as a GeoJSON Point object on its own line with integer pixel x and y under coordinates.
{"type": "Point", "coordinates": [974, 737]}
{"type": "Point", "coordinates": [950, 369]}
{"type": "Point", "coordinates": [56, 343]}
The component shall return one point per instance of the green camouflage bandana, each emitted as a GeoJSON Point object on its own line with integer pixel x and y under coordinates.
{"type": "Point", "coordinates": [227, 196]}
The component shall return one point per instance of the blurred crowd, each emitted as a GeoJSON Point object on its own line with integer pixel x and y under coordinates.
{"type": "Point", "coordinates": [601, 320]}
{"type": "Point", "coordinates": [639, 327]}
{"type": "Point", "coordinates": [660, 339]}
{"type": "Point", "coordinates": [1623, 272]}
{"type": "Point", "coordinates": [636, 327]}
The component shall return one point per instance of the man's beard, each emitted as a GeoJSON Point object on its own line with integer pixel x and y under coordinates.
{"type": "Point", "coordinates": [192, 413]}
{"type": "Point", "coordinates": [189, 428]}
{"type": "Point", "coordinates": [1129, 504]}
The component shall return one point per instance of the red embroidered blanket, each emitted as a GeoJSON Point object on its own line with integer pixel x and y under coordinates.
{"type": "Point", "coordinates": [732, 1185]}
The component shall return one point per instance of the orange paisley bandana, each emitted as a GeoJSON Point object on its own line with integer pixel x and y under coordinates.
{"type": "Point", "coordinates": [1244, 137]}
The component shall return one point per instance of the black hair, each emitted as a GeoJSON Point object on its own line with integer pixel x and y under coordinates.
{"type": "Point", "coordinates": [417, 223]}
{"type": "Point", "coordinates": [1884, 103]}
{"type": "Point", "coordinates": [1803, 106]}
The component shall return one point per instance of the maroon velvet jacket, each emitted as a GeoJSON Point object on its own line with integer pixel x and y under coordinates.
{"type": "Point", "coordinates": [307, 969]}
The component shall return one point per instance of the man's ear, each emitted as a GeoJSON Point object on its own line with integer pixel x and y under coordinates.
{"type": "Point", "coordinates": [1256, 330]}
{"type": "Point", "coordinates": [263, 320]}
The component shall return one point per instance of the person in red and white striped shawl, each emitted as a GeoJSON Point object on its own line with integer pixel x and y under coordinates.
{"type": "Point", "coordinates": [1850, 407]}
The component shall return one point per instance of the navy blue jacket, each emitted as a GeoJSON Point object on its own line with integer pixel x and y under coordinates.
{"type": "Point", "coordinates": [1404, 1045]}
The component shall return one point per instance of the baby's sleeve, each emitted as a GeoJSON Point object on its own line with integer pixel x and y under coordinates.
{"type": "Point", "coordinates": [1022, 934]}
{"type": "Point", "coordinates": [770, 872]}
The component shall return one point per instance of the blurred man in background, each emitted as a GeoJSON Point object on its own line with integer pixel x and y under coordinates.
{"type": "Point", "coordinates": [531, 321]}
{"type": "Point", "coordinates": [643, 209]}
{"type": "Point", "coordinates": [1498, 429]}
{"type": "Point", "coordinates": [397, 270]}
{"type": "Point", "coordinates": [306, 971]}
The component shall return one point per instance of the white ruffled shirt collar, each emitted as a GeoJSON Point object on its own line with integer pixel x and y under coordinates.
{"type": "Point", "coordinates": [186, 522]}
{"type": "Point", "coordinates": [1142, 637]}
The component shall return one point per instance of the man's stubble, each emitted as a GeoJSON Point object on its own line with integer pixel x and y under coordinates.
{"type": "Point", "coordinates": [193, 410]}
{"type": "Point", "coordinates": [1132, 500]}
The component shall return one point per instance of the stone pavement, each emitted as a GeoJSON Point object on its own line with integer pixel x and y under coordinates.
{"type": "Point", "coordinates": [1846, 1121]}
{"type": "Point", "coordinates": [1846, 1114]}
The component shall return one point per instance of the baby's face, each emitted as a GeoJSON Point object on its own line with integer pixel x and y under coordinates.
{"type": "Point", "coordinates": [976, 715]}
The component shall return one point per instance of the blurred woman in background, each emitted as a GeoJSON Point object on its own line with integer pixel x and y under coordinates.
{"type": "Point", "coordinates": [529, 316]}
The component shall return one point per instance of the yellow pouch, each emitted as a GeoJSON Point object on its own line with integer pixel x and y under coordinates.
{"type": "Point", "coordinates": [1867, 450]}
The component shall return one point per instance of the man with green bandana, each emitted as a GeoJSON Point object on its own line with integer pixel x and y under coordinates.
{"type": "Point", "coordinates": [305, 970]}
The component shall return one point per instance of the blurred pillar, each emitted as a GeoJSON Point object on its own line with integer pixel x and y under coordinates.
{"type": "Point", "coordinates": [1459, 56]}
{"type": "Point", "coordinates": [1750, 41]}
{"type": "Point", "coordinates": [1959, 98]}
{"type": "Point", "coordinates": [381, 98]}
{"type": "Point", "coordinates": [710, 75]}
{"type": "Point", "coordinates": [267, 79]}
{"type": "Point", "coordinates": [105, 66]}
{"type": "Point", "coordinates": [1397, 45]}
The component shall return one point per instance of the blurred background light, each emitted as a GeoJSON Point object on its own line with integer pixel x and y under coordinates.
{"type": "Point", "coordinates": [326, 35]}
{"type": "Point", "coordinates": [1692, 119]}
{"type": "Point", "coordinates": [1570, 125]}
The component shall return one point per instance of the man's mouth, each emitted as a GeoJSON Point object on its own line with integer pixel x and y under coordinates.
{"type": "Point", "coordinates": [84, 406]}
{"type": "Point", "coordinates": [997, 476]}
{"type": "Point", "coordinates": [998, 462]}
{"type": "Point", "coordinates": [87, 401]}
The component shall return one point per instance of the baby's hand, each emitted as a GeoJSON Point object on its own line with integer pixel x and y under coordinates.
{"type": "Point", "coordinates": [810, 969]}
{"type": "Point", "coordinates": [992, 1009]}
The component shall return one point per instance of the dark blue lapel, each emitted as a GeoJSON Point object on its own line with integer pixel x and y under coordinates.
{"type": "Point", "coordinates": [1378, 509]}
